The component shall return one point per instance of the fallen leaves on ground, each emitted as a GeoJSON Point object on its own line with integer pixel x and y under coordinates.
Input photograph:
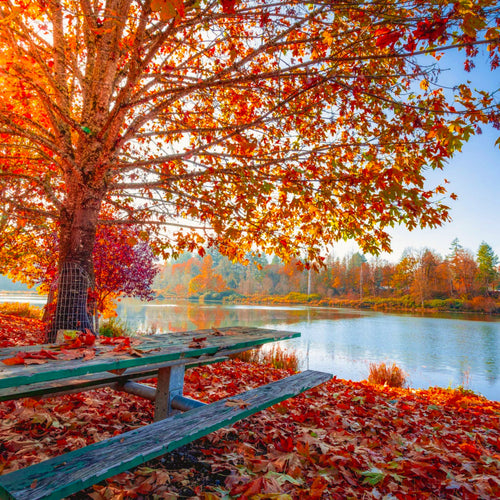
{"type": "Point", "coordinates": [341, 440]}
{"type": "Point", "coordinates": [16, 331]}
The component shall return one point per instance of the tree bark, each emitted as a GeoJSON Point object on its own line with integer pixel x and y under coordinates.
{"type": "Point", "coordinates": [78, 225]}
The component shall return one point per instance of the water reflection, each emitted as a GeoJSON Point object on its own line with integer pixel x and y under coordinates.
{"type": "Point", "coordinates": [171, 317]}
{"type": "Point", "coordinates": [434, 350]}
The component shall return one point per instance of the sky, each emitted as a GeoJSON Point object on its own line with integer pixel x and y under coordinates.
{"type": "Point", "coordinates": [473, 175]}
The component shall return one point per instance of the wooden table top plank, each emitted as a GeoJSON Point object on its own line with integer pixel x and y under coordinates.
{"type": "Point", "coordinates": [153, 349]}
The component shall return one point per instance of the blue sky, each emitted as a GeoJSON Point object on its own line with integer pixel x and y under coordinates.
{"type": "Point", "coordinates": [473, 175]}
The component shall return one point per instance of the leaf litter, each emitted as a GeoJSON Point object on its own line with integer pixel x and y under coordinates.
{"type": "Point", "coordinates": [341, 440]}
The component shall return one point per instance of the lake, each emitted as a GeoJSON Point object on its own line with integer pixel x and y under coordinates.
{"type": "Point", "coordinates": [435, 350]}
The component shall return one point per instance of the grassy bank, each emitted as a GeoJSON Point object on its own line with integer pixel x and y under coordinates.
{"type": "Point", "coordinates": [405, 303]}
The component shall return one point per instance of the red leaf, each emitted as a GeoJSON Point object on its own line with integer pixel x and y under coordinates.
{"type": "Point", "coordinates": [89, 354]}
{"type": "Point", "coordinates": [123, 345]}
{"type": "Point", "coordinates": [88, 338]}
{"type": "Point", "coordinates": [228, 6]}
{"type": "Point", "coordinates": [17, 360]}
{"type": "Point", "coordinates": [198, 342]}
{"type": "Point", "coordinates": [76, 344]}
{"type": "Point", "coordinates": [317, 488]}
{"type": "Point", "coordinates": [387, 37]}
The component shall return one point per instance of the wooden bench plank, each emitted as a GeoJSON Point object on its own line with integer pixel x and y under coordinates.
{"type": "Point", "coordinates": [79, 469]}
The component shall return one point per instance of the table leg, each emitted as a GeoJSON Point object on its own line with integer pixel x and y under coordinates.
{"type": "Point", "coordinates": [170, 384]}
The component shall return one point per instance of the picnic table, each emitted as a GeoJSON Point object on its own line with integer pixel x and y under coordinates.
{"type": "Point", "coordinates": [51, 370]}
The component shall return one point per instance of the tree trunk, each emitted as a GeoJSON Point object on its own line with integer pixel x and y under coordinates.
{"type": "Point", "coordinates": [47, 316]}
{"type": "Point", "coordinates": [78, 227]}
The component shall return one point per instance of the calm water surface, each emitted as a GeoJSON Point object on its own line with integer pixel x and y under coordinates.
{"type": "Point", "coordinates": [444, 350]}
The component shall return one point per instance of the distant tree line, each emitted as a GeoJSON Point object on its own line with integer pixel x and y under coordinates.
{"type": "Point", "coordinates": [420, 274]}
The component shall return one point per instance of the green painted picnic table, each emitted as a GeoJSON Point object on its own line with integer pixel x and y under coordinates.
{"type": "Point", "coordinates": [55, 369]}
{"type": "Point", "coordinates": [48, 370]}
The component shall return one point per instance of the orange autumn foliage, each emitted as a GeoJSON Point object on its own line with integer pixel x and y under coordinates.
{"type": "Point", "coordinates": [280, 126]}
{"type": "Point", "coordinates": [382, 374]}
{"type": "Point", "coordinates": [207, 280]}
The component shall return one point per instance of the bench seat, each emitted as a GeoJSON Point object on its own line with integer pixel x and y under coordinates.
{"type": "Point", "coordinates": [66, 474]}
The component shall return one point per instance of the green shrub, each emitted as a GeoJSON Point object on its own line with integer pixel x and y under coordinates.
{"type": "Point", "coordinates": [218, 296]}
{"type": "Point", "coordinates": [408, 301]}
{"type": "Point", "coordinates": [114, 327]}
{"type": "Point", "coordinates": [21, 309]}
{"type": "Point", "coordinates": [436, 304]}
{"type": "Point", "coordinates": [233, 297]}
{"type": "Point", "coordinates": [455, 304]}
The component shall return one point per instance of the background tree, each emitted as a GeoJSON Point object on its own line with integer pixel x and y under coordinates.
{"type": "Point", "coordinates": [403, 274]}
{"type": "Point", "coordinates": [423, 280]}
{"type": "Point", "coordinates": [463, 269]}
{"type": "Point", "coordinates": [282, 126]}
{"type": "Point", "coordinates": [207, 280]}
{"type": "Point", "coordinates": [487, 274]}
{"type": "Point", "coordinates": [356, 273]}
{"type": "Point", "coordinates": [248, 277]}
{"type": "Point", "coordinates": [335, 275]}
{"type": "Point", "coordinates": [443, 283]}
{"type": "Point", "coordinates": [291, 278]}
{"type": "Point", "coordinates": [174, 275]}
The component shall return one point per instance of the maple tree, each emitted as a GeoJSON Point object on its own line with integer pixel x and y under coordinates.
{"type": "Point", "coordinates": [463, 269]}
{"type": "Point", "coordinates": [241, 124]}
{"type": "Point", "coordinates": [131, 271]}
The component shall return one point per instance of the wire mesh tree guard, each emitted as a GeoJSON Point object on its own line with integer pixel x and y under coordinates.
{"type": "Point", "coordinates": [72, 306]}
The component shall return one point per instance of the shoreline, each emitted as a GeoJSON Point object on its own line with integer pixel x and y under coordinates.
{"type": "Point", "coordinates": [486, 307]}
{"type": "Point", "coordinates": [388, 304]}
